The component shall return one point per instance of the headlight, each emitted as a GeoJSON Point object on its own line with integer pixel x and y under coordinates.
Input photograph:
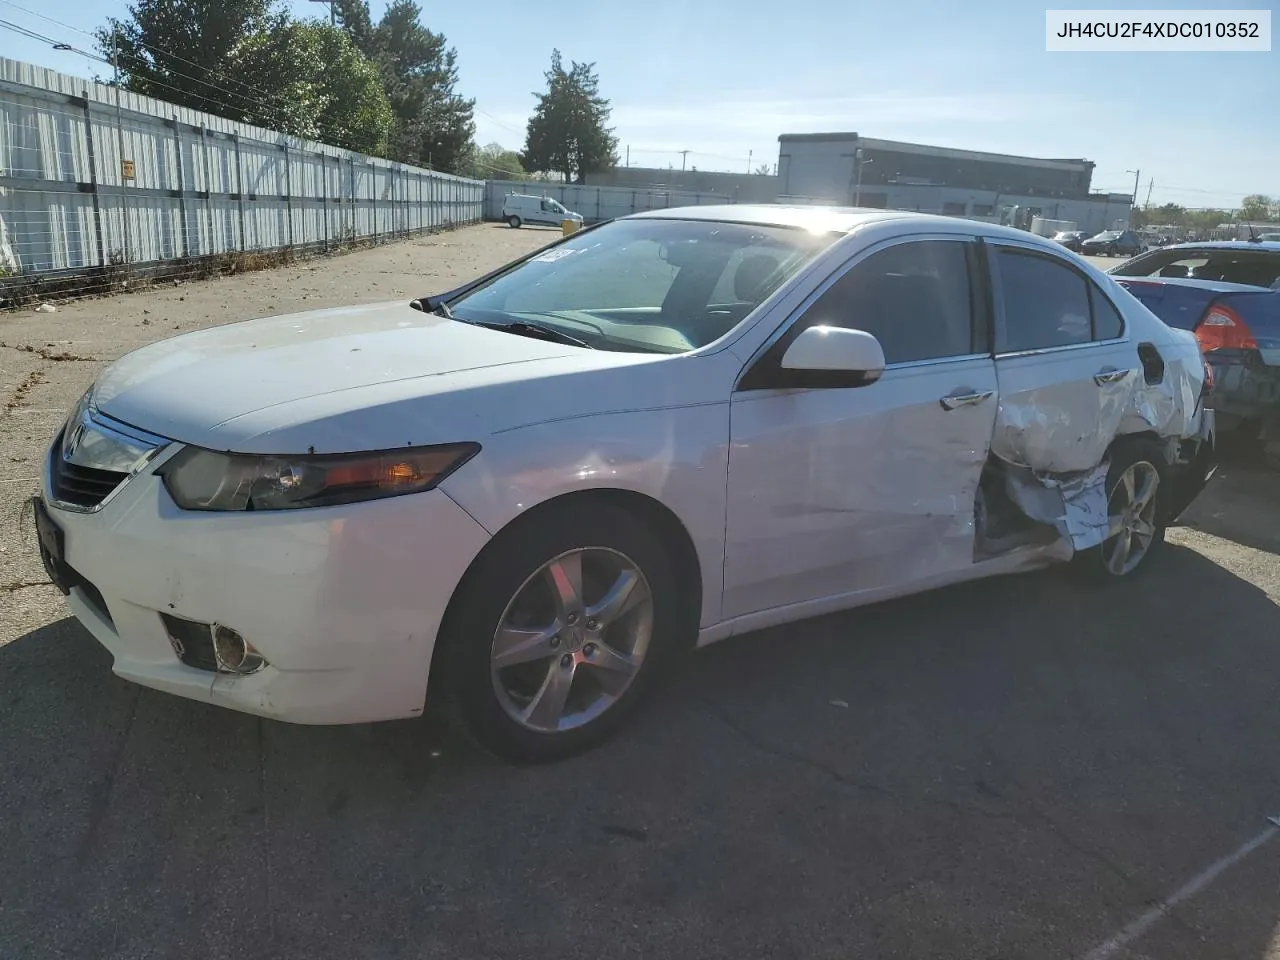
{"type": "Point", "coordinates": [205, 480]}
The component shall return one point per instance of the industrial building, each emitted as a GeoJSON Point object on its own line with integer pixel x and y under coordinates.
{"type": "Point", "coordinates": [848, 169]}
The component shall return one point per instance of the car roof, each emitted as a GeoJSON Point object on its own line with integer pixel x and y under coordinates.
{"type": "Point", "coordinates": [826, 219]}
{"type": "Point", "coordinates": [1269, 246]}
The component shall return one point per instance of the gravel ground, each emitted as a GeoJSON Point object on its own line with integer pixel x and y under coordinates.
{"type": "Point", "coordinates": [1013, 768]}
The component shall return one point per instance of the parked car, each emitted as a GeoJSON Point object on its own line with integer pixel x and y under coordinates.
{"type": "Point", "coordinates": [1228, 294]}
{"type": "Point", "coordinates": [519, 209]}
{"type": "Point", "coordinates": [1269, 237]}
{"type": "Point", "coordinates": [517, 498]}
{"type": "Point", "coordinates": [1112, 243]}
{"type": "Point", "coordinates": [1071, 239]}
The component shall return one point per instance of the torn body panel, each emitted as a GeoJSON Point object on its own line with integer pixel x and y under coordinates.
{"type": "Point", "coordinates": [1060, 414]}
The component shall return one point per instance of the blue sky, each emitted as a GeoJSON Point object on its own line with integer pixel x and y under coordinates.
{"type": "Point", "coordinates": [722, 79]}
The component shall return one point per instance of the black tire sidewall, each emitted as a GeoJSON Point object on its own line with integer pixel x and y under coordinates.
{"type": "Point", "coordinates": [510, 559]}
{"type": "Point", "coordinates": [1124, 454]}
{"type": "Point", "coordinates": [514, 222]}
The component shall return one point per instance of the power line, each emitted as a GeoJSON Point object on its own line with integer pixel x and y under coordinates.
{"type": "Point", "coordinates": [262, 98]}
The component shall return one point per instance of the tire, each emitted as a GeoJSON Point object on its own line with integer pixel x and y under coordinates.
{"type": "Point", "coordinates": [1143, 457]}
{"type": "Point", "coordinates": [1111, 251]}
{"type": "Point", "coordinates": [514, 222]}
{"type": "Point", "coordinates": [509, 587]}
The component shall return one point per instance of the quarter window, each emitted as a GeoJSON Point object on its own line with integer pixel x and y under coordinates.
{"type": "Point", "coordinates": [914, 298]}
{"type": "Point", "coordinates": [1107, 323]}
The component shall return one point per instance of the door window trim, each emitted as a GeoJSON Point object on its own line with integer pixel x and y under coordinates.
{"type": "Point", "coordinates": [981, 321]}
{"type": "Point", "coordinates": [997, 299]}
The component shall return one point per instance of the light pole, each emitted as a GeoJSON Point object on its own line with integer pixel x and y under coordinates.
{"type": "Point", "coordinates": [857, 190]}
{"type": "Point", "coordinates": [1133, 201]}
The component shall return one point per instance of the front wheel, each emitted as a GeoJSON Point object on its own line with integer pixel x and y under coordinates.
{"type": "Point", "coordinates": [513, 221]}
{"type": "Point", "coordinates": [557, 632]}
{"type": "Point", "coordinates": [1136, 492]}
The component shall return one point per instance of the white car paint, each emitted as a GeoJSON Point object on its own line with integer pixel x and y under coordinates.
{"type": "Point", "coordinates": [796, 501]}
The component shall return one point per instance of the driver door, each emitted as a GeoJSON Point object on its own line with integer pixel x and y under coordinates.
{"type": "Point", "coordinates": [844, 490]}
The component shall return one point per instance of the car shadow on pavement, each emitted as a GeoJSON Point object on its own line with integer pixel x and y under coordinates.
{"type": "Point", "coordinates": [1240, 504]}
{"type": "Point", "coordinates": [1017, 767]}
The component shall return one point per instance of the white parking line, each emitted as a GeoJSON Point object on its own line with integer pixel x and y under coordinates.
{"type": "Point", "coordinates": [1142, 924]}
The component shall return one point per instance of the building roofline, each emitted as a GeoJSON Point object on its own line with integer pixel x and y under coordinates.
{"type": "Point", "coordinates": [876, 143]}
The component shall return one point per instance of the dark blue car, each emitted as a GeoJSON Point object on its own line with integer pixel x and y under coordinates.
{"type": "Point", "coordinates": [1228, 294]}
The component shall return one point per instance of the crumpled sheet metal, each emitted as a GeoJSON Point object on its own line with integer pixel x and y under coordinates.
{"type": "Point", "coordinates": [1054, 443]}
{"type": "Point", "coordinates": [1067, 427]}
{"type": "Point", "coordinates": [1074, 503]}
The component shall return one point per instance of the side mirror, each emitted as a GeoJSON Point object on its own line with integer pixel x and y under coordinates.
{"type": "Point", "coordinates": [836, 356]}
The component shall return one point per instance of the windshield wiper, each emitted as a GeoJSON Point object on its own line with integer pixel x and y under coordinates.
{"type": "Point", "coordinates": [537, 331]}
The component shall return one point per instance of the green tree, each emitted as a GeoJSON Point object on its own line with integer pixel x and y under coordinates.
{"type": "Point", "coordinates": [352, 109]}
{"type": "Point", "coordinates": [568, 131]}
{"type": "Point", "coordinates": [305, 78]}
{"type": "Point", "coordinates": [495, 162]}
{"type": "Point", "coordinates": [433, 123]}
{"type": "Point", "coordinates": [1256, 206]}
{"type": "Point", "coordinates": [192, 52]}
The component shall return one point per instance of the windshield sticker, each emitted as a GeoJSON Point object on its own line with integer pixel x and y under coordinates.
{"type": "Point", "coordinates": [551, 256]}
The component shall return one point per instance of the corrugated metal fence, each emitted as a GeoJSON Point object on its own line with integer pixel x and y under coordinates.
{"type": "Point", "coordinates": [93, 178]}
{"type": "Point", "coordinates": [595, 203]}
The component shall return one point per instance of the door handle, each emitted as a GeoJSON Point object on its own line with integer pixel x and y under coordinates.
{"type": "Point", "coordinates": [953, 400]}
{"type": "Point", "coordinates": [1103, 377]}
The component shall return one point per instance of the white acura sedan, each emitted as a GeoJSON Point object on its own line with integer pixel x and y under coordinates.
{"type": "Point", "coordinates": [517, 498]}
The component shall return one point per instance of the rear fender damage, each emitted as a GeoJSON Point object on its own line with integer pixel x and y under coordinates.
{"type": "Point", "coordinates": [1046, 476]}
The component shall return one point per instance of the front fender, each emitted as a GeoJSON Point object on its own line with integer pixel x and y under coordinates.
{"type": "Point", "coordinates": [677, 455]}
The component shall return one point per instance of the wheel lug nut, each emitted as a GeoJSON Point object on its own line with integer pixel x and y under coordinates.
{"type": "Point", "coordinates": [567, 660]}
{"type": "Point", "coordinates": [589, 650]}
{"type": "Point", "coordinates": [593, 624]}
{"type": "Point", "coordinates": [572, 618]}
{"type": "Point", "coordinates": [555, 641]}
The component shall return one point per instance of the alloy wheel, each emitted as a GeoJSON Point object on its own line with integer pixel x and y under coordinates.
{"type": "Point", "coordinates": [572, 639]}
{"type": "Point", "coordinates": [1131, 514]}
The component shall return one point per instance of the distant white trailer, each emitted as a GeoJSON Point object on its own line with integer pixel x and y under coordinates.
{"type": "Point", "coordinates": [1044, 227]}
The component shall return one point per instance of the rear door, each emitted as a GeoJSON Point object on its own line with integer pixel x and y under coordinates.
{"type": "Point", "coordinates": [1064, 363]}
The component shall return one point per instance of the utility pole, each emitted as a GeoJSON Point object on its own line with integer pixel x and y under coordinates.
{"type": "Point", "coordinates": [124, 196]}
{"type": "Point", "coordinates": [628, 154]}
{"type": "Point", "coordinates": [1150, 186]}
{"type": "Point", "coordinates": [684, 155]}
{"type": "Point", "coordinates": [333, 12]}
{"type": "Point", "coordinates": [749, 155]}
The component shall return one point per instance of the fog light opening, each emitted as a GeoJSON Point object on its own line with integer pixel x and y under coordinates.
{"type": "Point", "coordinates": [234, 653]}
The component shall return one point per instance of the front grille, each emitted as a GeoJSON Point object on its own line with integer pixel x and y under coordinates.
{"type": "Point", "coordinates": [82, 486]}
{"type": "Point", "coordinates": [192, 642]}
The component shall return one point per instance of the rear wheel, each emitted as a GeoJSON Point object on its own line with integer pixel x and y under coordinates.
{"type": "Point", "coordinates": [1136, 492]}
{"type": "Point", "coordinates": [557, 633]}
{"type": "Point", "coordinates": [513, 221]}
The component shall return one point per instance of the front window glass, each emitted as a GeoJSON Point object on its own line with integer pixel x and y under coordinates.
{"type": "Point", "coordinates": [664, 286]}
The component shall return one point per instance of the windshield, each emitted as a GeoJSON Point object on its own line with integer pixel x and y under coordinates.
{"type": "Point", "coordinates": [1107, 235]}
{"type": "Point", "coordinates": [1259, 268]}
{"type": "Point", "coordinates": [651, 286]}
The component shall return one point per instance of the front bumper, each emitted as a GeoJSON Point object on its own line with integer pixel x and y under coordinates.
{"type": "Point", "coordinates": [343, 602]}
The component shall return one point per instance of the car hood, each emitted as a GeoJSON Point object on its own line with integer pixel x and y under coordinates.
{"type": "Point", "coordinates": [225, 386]}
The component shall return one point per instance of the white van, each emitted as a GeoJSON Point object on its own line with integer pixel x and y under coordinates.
{"type": "Point", "coordinates": [519, 208]}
